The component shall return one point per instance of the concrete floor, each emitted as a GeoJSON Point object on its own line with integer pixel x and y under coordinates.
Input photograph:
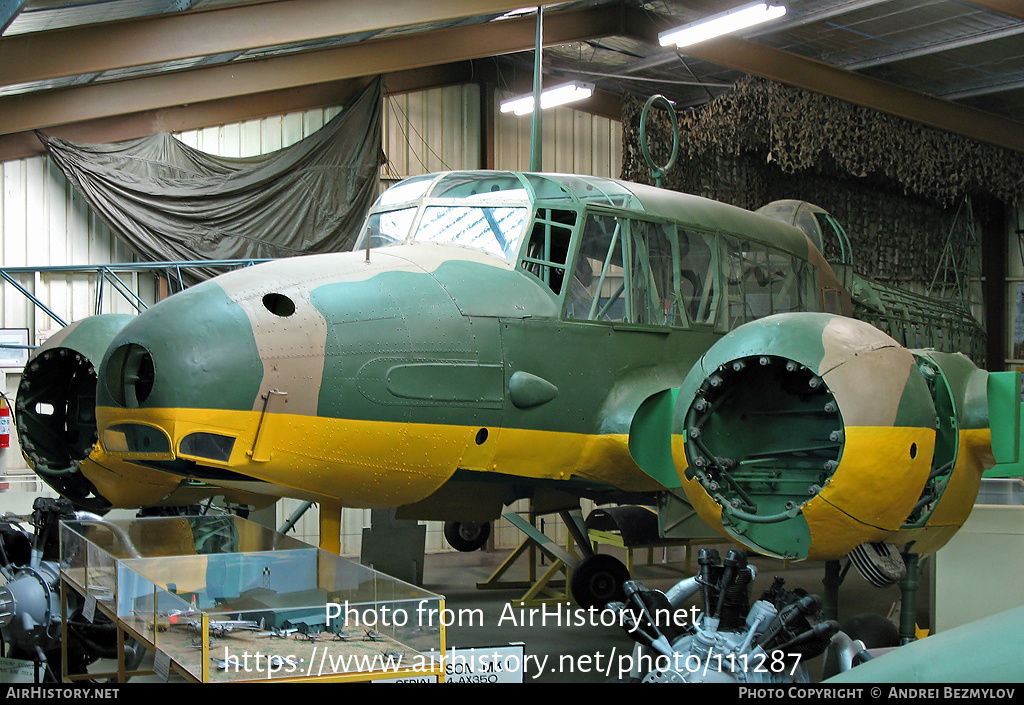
{"type": "Point", "coordinates": [577, 651]}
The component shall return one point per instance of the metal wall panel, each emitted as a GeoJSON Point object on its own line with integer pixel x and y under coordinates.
{"type": "Point", "coordinates": [574, 142]}
{"type": "Point", "coordinates": [45, 223]}
{"type": "Point", "coordinates": [439, 130]}
{"type": "Point", "coordinates": [434, 130]}
{"type": "Point", "coordinates": [255, 137]}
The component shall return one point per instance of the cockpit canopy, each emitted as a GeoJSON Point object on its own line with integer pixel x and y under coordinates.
{"type": "Point", "coordinates": [607, 251]}
{"type": "Point", "coordinates": [816, 222]}
{"type": "Point", "coordinates": [484, 210]}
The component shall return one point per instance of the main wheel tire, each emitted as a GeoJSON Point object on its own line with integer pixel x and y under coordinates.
{"type": "Point", "coordinates": [466, 535]}
{"type": "Point", "coordinates": [874, 630]}
{"type": "Point", "coordinates": [598, 580]}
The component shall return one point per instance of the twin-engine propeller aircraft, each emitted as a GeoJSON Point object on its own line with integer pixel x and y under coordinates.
{"type": "Point", "coordinates": [499, 335]}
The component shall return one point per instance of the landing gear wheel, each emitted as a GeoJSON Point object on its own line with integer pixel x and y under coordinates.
{"type": "Point", "coordinates": [598, 580]}
{"type": "Point", "coordinates": [874, 630]}
{"type": "Point", "coordinates": [466, 535]}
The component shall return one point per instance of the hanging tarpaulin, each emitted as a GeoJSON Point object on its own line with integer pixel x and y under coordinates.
{"type": "Point", "coordinates": [171, 202]}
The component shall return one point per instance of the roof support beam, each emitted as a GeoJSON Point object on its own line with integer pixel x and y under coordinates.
{"type": "Point", "coordinates": [1010, 8]}
{"type": "Point", "coordinates": [371, 57]}
{"type": "Point", "coordinates": [230, 110]}
{"type": "Point", "coordinates": [170, 37]}
{"type": "Point", "coordinates": [252, 107]}
{"type": "Point", "coordinates": [245, 81]}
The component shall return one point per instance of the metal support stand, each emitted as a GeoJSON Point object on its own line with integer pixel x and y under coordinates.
{"type": "Point", "coordinates": [908, 599]}
{"type": "Point", "coordinates": [551, 586]}
{"type": "Point", "coordinates": [394, 546]}
{"type": "Point", "coordinates": [330, 527]}
{"type": "Point", "coordinates": [830, 599]}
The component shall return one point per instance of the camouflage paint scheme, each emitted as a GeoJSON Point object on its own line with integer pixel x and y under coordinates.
{"type": "Point", "coordinates": [447, 381]}
{"type": "Point", "coordinates": [865, 429]}
{"type": "Point", "coordinates": [62, 368]}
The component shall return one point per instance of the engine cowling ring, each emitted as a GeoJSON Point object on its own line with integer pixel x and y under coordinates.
{"type": "Point", "coordinates": [56, 406]}
{"type": "Point", "coordinates": [805, 435]}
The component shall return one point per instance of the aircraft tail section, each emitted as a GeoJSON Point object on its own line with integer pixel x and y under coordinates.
{"type": "Point", "coordinates": [1005, 418]}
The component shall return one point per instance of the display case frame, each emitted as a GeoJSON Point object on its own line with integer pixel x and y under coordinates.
{"type": "Point", "coordinates": [222, 599]}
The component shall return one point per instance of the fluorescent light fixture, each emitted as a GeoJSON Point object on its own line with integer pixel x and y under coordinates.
{"type": "Point", "coordinates": [549, 97]}
{"type": "Point", "coordinates": [521, 12]}
{"type": "Point", "coordinates": [723, 23]}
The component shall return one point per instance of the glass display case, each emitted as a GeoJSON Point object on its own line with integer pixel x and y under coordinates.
{"type": "Point", "coordinates": [225, 599]}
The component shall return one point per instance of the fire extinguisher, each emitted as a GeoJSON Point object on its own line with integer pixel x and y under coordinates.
{"type": "Point", "coordinates": [5, 424]}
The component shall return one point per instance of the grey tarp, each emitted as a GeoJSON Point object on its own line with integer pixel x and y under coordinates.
{"type": "Point", "coordinates": [171, 202]}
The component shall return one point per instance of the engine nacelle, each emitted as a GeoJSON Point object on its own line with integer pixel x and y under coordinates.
{"type": "Point", "coordinates": [56, 407]}
{"type": "Point", "coordinates": [56, 422]}
{"type": "Point", "coordinates": [805, 435]}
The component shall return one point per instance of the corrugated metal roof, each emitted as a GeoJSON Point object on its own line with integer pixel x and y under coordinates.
{"type": "Point", "coordinates": [44, 15]}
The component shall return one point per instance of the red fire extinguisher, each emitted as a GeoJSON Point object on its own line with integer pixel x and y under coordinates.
{"type": "Point", "coordinates": [5, 424]}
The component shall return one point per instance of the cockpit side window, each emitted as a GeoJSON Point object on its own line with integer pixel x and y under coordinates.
{"type": "Point", "coordinates": [698, 272]}
{"type": "Point", "coordinates": [548, 246]}
{"type": "Point", "coordinates": [598, 286]}
{"type": "Point", "coordinates": [388, 228]}
{"type": "Point", "coordinates": [760, 281]}
{"type": "Point", "coordinates": [628, 270]}
{"type": "Point", "coordinates": [654, 275]}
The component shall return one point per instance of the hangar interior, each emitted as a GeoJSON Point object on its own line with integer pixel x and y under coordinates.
{"type": "Point", "coordinates": [902, 118]}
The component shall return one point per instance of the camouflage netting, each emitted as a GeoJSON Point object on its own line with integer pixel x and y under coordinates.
{"type": "Point", "coordinates": [896, 186]}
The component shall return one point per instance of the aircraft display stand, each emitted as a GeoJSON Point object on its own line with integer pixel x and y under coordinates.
{"type": "Point", "coordinates": [578, 573]}
{"type": "Point", "coordinates": [222, 599]}
{"type": "Point", "coordinates": [552, 585]}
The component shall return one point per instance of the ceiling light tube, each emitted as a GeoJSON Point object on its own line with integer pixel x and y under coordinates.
{"type": "Point", "coordinates": [723, 23]}
{"type": "Point", "coordinates": [549, 97]}
{"type": "Point", "coordinates": [521, 12]}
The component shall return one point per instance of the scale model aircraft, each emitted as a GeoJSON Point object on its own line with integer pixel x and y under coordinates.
{"type": "Point", "coordinates": [500, 335]}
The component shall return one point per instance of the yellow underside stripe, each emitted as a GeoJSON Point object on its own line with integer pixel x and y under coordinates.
{"type": "Point", "coordinates": [376, 463]}
{"type": "Point", "coordinates": [877, 484]}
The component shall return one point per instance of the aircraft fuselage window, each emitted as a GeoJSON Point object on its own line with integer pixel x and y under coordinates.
{"type": "Point", "coordinates": [760, 281]}
{"type": "Point", "coordinates": [636, 271]}
{"type": "Point", "coordinates": [495, 230]}
{"type": "Point", "coordinates": [698, 267]}
{"type": "Point", "coordinates": [548, 247]}
{"type": "Point", "coordinates": [628, 270]}
{"type": "Point", "coordinates": [598, 287]}
{"type": "Point", "coordinates": [389, 227]}
{"type": "Point", "coordinates": [654, 274]}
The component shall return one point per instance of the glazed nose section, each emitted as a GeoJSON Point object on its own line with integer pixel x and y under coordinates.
{"type": "Point", "coordinates": [194, 350]}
